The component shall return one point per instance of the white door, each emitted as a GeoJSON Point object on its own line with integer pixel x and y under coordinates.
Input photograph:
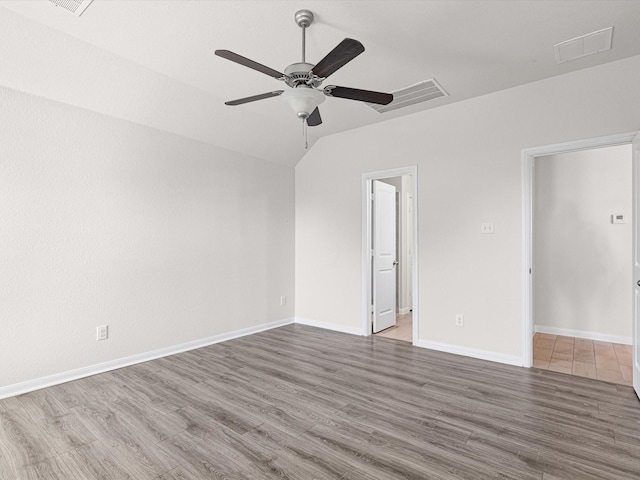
{"type": "Point", "coordinates": [384, 256]}
{"type": "Point", "coordinates": [636, 264]}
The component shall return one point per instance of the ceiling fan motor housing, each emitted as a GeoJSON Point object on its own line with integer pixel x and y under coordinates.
{"type": "Point", "coordinates": [300, 74]}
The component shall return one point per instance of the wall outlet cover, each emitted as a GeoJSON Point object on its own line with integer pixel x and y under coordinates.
{"type": "Point", "coordinates": [102, 332]}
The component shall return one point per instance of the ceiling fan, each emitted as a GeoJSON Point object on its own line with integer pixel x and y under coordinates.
{"type": "Point", "coordinates": [304, 79]}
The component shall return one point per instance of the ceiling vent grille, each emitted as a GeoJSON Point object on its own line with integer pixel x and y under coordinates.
{"type": "Point", "coordinates": [588, 44]}
{"type": "Point", "coordinates": [74, 6]}
{"type": "Point", "coordinates": [420, 92]}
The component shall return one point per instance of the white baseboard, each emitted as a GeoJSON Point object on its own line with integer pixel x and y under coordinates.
{"type": "Point", "coordinates": [404, 311]}
{"type": "Point", "coordinates": [471, 352]}
{"type": "Point", "coordinates": [602, 337]}
{"type": "Point", "coordinates": [329, 326]}
{"type": "Point", "coordinates": [63, 377]}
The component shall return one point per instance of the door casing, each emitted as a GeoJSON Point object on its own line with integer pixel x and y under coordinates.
{"type": "Point", "coordinates": [366, 270]}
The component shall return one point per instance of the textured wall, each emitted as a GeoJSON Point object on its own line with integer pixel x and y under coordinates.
{"type": "Point", "coordinates": [165, 239]}
{"type": "Point", "coordinates": [469, 172]}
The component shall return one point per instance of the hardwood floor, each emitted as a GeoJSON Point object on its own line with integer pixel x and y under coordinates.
{"type": "Point", "coordinates": [304, 403]}
{"type": "Point", "coordinates": [587, 358]}
{"type": "Point", "coordinates": [403, 330]}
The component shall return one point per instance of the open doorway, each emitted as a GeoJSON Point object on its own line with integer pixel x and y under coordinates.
{"type": "Point", "coordinates": [582, 265]}
{"type": "Point", "coordinates": [531, 312]}
{"type": "Point", "coordinates": [389, 254]}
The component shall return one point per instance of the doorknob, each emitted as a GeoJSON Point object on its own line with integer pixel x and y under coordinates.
{"type": "Point", "coordinates": [638, 283]}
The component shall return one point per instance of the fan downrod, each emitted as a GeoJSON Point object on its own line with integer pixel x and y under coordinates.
{"type": "Point", "coordinates": [303, 18]}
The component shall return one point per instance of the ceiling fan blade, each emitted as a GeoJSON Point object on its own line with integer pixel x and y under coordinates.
{"type": "Point", "coordinates": [347, 50]}
{"type": "Point", "coordinates": [314, 119]}
{"type": "Point", "coordinates": [262, 96]}
{"type": "Point", "coordinates": [357, 94]}
{"type": "Point", "coordinates": [234, 57]}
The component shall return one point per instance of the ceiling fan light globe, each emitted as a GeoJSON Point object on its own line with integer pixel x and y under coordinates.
{"type": "Point", "coordinates": [303, 100]}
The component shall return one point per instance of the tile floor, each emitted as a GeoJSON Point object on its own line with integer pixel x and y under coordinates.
{"type": "Point", "coordinates": [606, 361]}
{"type": "Point", "coordinates": [403, 329]}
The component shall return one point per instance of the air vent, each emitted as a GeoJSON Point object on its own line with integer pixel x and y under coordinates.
{"type": "Point", "coordinates": [588, 44]}
{"type": "Point", "coordinates": [420, 92]}
{"type": "Point", "coordinates": [74, 6]}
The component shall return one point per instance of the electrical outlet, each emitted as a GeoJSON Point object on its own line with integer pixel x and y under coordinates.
{"type": "Point", "coordinates": [102, 332]}
{"type": "Point", "coordinates": [283, 301]}
{"type": "Point", "coordinates": [459, 320]}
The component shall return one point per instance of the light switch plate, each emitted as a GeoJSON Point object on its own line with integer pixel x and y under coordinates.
{"type": "Point", "coordinates": [486, 227]}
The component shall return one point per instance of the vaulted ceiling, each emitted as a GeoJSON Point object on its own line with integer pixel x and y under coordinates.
{"type": "Point", "coordinates": [153, 62]}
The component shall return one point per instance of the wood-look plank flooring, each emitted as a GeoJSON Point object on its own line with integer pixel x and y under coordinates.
{"type": "Point", "coordinates": [304, 403]}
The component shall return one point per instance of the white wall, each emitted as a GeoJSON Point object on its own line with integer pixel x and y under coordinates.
{"type": "Point", "coordinates": [582, 261]}
{"type": "Point", "coordinates": [163, 238]}
{"type": "Point", "coordinates": [469, 171]}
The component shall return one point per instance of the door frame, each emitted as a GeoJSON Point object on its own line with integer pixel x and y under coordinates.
{"type": "Point", "coordinates": [528, 157]}
{"type": "Point", "coordinates": [366, 274]}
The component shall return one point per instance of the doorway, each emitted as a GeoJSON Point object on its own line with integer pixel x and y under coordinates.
{"type": "Point", "coordinates": [529, 157]}
{"type": "Point", "coordinates": [582, 203]}
{"type": "Point", "coordinates": [400, 238]}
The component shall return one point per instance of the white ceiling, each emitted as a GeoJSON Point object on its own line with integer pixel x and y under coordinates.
{"type": "Point", "coordinates": [471, 48]}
